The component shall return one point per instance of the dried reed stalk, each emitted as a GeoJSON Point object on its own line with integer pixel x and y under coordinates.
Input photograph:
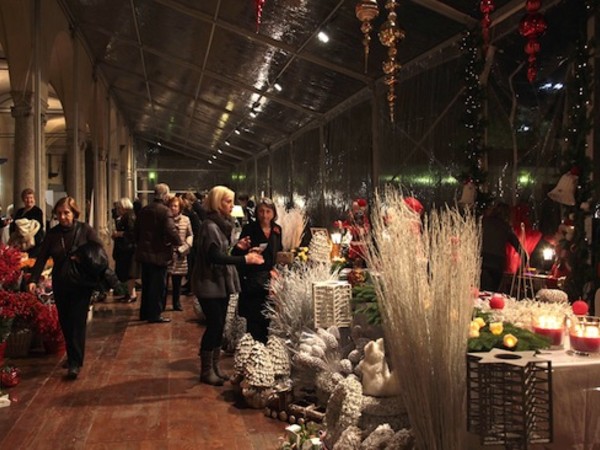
{"type": "Point", "coordinates": [425, 275]}
{"type": "Point", "coordinates": [292, 222]}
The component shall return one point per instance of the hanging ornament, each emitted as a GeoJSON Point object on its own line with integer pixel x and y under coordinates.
{"type": "Point", "coordinates": [259, 9]}
{"type": "Point", "coordinates": [366, 11]}
{"type": "Point", "coordinates": [532, 26]}
{"type": "Point", "coordinates": [389, 35]}
{"type": "Point", "coordinates": [486, 7]}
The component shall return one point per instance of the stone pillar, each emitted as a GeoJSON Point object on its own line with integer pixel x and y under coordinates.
{"type": "Point", "coordinates": [24, 146]}
{"type": "Point", "coordinates": [102, 208]}
{"type": "Point", "coordinates": [74, 179]}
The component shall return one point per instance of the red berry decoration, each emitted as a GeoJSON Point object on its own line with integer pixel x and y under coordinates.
{"type": "Point", "coordinates": [497, 302]}
{"type": "Point", "coordinates": [580, 308]}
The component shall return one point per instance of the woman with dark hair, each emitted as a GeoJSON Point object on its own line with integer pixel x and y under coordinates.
{"type": "Point", "coordinates": [72, 300]}
{"type": "Point", "coordinates": [215, 277]}
{"type": "Point", "coordinates": [266, 235]}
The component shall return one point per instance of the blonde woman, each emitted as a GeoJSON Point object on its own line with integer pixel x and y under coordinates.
{"type": "Point", "coordinates": [215, 277]}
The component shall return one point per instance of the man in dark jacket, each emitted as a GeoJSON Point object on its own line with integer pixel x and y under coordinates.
{"type": "Point", "coordinates": [156, 236]}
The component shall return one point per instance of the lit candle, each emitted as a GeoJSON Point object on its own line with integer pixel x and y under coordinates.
{"type": "Point", "coordinates": [550, 327]}
{"type": "Point", "coordinates": [585, 338]}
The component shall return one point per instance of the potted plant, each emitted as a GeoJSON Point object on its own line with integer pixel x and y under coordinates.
{"type": "Point", "coordinates": [48, 326]}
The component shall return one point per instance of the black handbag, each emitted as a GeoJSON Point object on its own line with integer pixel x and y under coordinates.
{"type": "Point", "coordinates": [85, 265]}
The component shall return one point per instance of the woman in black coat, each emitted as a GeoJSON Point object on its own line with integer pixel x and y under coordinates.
{"type": "Point", "coordinates": [215, 277]}
{"type": "Point", "coordinates": [254, 280]}
{"type": "Point", "coordinates": [126, 267]}
{"type": "Point", "coordinates": [72, 299]}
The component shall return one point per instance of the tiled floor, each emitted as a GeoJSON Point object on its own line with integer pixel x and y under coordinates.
{"type": "Point", "coordinates": [138, 390]}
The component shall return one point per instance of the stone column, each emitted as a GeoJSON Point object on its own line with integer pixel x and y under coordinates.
{"type": "Point", "coordinates": [24, 176]}
{"type": "Point", "coordinates": [74, 180]}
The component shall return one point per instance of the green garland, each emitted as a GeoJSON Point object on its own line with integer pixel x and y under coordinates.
{"type": "Point", "coordinates": [526, 339]}
{"type": "Point", "coordinates": [473, 117]}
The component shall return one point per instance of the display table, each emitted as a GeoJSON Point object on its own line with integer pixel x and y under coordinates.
{"type": "Point", "coordinates": [575, 403]}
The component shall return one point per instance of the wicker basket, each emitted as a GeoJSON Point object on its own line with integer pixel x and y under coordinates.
{"type": "Point", "coordinates": [19, 343]}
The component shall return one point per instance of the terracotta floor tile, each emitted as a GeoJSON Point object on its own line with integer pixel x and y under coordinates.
{"type": "Point", "coordinates": [138, 389]}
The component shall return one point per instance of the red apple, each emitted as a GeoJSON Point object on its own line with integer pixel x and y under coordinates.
{"type": "Point", "coordinates": [497, 302]}
{"type": "Point", "coordinates": [580, 308]}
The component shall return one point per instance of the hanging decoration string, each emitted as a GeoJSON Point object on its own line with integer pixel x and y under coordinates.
{"type": "Point", "coordinates": [366, 11]}
{"type": "Point", "coordinates": [486, 7]}
{"type": "Point", "coordinates": [532, 26]}
{"type": "Point", "coordinates": [259, 9]}
{"type": "Point", "coordinates": [390, 34]}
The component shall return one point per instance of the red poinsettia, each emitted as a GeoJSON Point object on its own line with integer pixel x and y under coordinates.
{"type": "Point", "coordinates": [10, 265]}
{"type": "Point", "coordinates": [48, 325]}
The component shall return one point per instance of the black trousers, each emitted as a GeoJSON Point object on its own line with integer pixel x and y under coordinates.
{"type": "Point", "coordinates": [72, 306]}
{"type": "Point", "coordinates": [154, 291]}
{"type": "Point", "coordinates": [215, 310]}
{"type": "Point", "coordinates": [176, 291]}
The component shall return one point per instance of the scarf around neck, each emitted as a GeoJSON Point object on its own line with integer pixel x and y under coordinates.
{"type": "Point", "coordinates": [225, 224]}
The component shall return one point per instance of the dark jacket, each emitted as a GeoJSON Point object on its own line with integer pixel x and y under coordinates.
{"type": "Point", "coordinates": [155, 234]}
{"type": "Point", "coordinates": [57, 244]}
{"type": "Point", "coordinates": [215, 275]}
{"type": "Point", "coordinates": [257, 237]}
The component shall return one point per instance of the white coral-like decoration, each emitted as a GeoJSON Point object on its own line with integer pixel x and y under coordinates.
{"type": "Point", "coordinates": [279, 356]}
{"type": "Point", "coordinates": [349, 440]}
{"type": "Point", "coordinates": [343, 409]}
{"type": "Point", "coordinates": [378, 439]}
{"type": "Point", "coordinates": [242, 352]}
{"type": "Point", "coordinates": [258, 371]}
{"type": "Point", "coordinates": [402, 440]}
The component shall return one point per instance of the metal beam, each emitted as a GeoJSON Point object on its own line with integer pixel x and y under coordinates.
{"type": "Point", "coordinates": [256, 37]}
{"type": "Point", "coordinates": [447, 11]}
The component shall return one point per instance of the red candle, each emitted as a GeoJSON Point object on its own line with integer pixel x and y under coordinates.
{"type": "Point", "coordinates": [585, 339]}
{"type": "Point", "coordinates": [554, 334]}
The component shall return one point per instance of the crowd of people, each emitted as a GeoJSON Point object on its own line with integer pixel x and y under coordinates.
{"type": "Point", "coordinates": [187, 242]}
{"type": "Point", "coordinates": [175, 238]}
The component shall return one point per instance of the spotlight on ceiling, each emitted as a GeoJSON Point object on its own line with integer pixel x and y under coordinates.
{"type": "Point", "coordinates": [209, 161]}
{"type": "Point", "coordinates": [236, 131]}
{"type": "Point", "coordinates": [253, 114]}
{"type": "Point", "coordinates": [227, 143]}
{"type": "Point", "coordinates": [214, 156]}
{"type": "Point", "coordinates": [277, 87]}
{"type": "Point", "coordinates": [219, 151]}
{"type": "Point", "coordinates": [323, 37]}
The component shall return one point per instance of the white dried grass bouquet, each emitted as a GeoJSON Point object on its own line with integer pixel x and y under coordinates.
{"type": "Point", "coordinates": [425, 275]}
{"type": "Point", "coordinates": [292, 222]}
{"type": "Point", "coordinates": [291, 308]}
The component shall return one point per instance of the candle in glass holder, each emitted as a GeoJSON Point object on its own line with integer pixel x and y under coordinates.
{"type": "Point", "coordinates": [550, 327]}
{"type": "Point", "coordinates": [584, 334]}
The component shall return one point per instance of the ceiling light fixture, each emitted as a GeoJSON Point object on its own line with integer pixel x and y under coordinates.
{"type": "Point", "coordinates": [209, 161]}
{"type": "Point", "coordinates": [219, 151]}
{"type": "Point", "coordinates": [323, 37]}
{"type": "Point", "coordinates": [227, 143]}
{"type": "Point", "coordinates": [236, 131]}
{"type": "Point", "coordinates": [278, 87]}
{"type": "Point", "coordinates": [253, 114]}
{"type": "Point", "coordinates": [214, 156]}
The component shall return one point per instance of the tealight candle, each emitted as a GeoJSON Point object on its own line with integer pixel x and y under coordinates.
{"type": "Point", "coordinates": [584, 334]}
{"type": "Point", "coordinates": [550, 327]}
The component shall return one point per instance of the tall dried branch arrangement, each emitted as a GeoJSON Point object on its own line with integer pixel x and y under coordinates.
{"type": "Point", "coordinates": [292, 222]}
{"type": "Point", "coordinates": [291, 308]}
{"type": "Point", "coordinates": [425, 277]}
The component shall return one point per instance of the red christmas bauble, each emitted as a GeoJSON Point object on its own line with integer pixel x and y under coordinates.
{"type": "Point", "coordinates": [580, 308]}
{"type": "Point", "coordinates": [532, 47]}
{"type": "Point", "coordinates": [533, 25]}
{"type": "Point", "coordinates": [532, 5]}
{"type": "Point", "coordinates": [531, 73]}
{"type": "Point", "coordinates": [486, 6]}
{"type": "Point", "coordinates": [497, 302]}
